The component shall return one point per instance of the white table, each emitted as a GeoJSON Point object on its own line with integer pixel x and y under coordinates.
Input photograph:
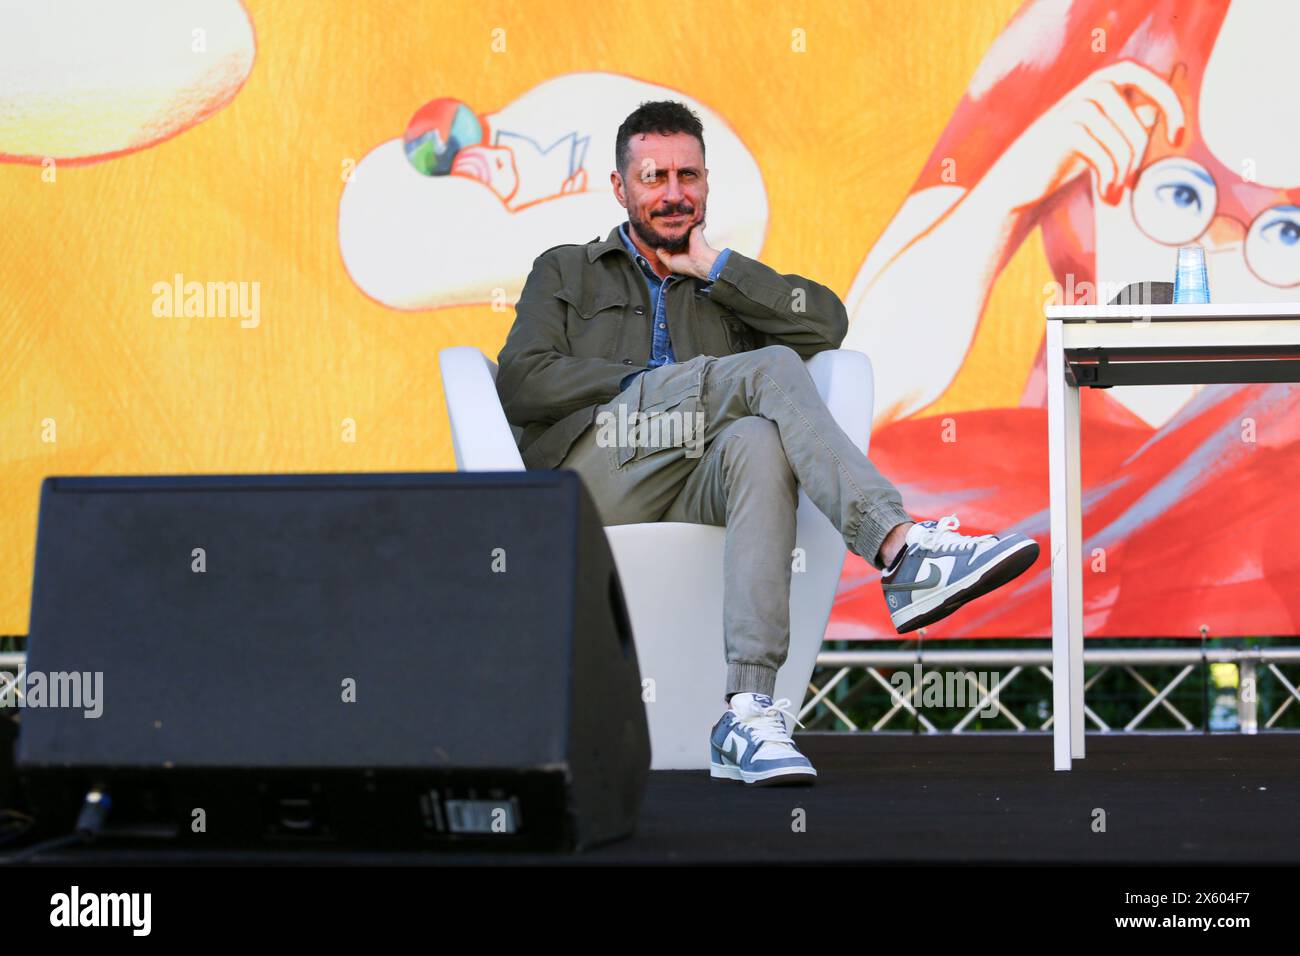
{"type": "Point", "coordinates": [1100, 346]}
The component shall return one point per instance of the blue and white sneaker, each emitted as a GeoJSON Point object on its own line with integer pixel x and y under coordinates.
{"type": "Point", "coordinates": [750, 743]}
{"type": "Point", "coordinates": [938, 570]}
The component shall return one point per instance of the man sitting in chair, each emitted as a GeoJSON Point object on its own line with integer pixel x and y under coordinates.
{"type": "Point", "coordinates": [671, 377]}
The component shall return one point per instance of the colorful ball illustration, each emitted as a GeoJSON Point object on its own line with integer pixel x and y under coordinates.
{"type": "Point", "coordinates": [437, 131]}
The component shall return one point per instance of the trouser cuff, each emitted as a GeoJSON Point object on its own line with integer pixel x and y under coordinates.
{"type": "Point", "coordinates": [746, 678]}
{"type": "Point", "coordinates": [875, 527]}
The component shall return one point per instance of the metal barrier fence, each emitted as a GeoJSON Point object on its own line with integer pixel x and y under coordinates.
{"type": "Point", "coordinates": [845, 678]}
{"type": "Point", "coordinates": [848, 677]}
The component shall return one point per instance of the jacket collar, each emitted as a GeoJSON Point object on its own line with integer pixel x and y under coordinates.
{"type": "Point", "coordinates": [612, 242]}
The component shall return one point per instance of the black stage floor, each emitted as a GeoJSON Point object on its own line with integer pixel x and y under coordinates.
{"type": "Point", "coordinates": [1171, 798]}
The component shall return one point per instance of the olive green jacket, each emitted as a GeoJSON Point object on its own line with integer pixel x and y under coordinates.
{"type": "Point", "coordinates": [583, 320]}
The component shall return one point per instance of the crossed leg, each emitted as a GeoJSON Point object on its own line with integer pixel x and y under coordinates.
{"type": "Point", "coordinates": [765, 432]}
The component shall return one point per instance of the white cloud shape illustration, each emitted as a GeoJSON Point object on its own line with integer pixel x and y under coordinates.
{"type": "Point", "coordinates": [85, 80]}
{"type": "Point", "coordinates": [419, 242]}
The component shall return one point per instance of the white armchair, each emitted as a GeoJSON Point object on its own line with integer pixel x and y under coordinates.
{"type": "Point", "coordinates": [679, 643]}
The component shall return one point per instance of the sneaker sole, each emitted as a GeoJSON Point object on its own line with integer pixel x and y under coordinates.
{"type": "Point", "coordinates": [976, 584]}
{"type": "Point", "coordinates": [785, 777]}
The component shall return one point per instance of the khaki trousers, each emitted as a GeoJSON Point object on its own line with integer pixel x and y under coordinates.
{"type": "Point", "coordinates": [729, 441]}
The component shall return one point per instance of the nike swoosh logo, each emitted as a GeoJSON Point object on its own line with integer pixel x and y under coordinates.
{"type": "Point", "coordinates": [734, 748]}
{"type": "Point", "coordinates": [933, 579]}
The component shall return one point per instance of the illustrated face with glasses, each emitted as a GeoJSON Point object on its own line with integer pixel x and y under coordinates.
{"type": "Point", "coordinates": [1186, 196]}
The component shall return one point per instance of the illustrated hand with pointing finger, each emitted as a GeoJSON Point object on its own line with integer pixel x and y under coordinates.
{"type": "Point", "coordinates": [1102, 125]}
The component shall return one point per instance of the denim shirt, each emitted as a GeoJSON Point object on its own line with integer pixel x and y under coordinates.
{"type": "Point", "coordinates": [661, 349]}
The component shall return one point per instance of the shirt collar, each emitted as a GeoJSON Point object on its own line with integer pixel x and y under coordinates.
{"type": "Point", "coordinates": [639, 259]}
{"type": "Point", "coordinates": [618, 239]}
{"type": "Point", "coordinates": [627, 240]}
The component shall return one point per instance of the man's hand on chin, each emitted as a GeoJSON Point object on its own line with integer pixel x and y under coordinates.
{"type": "Point", "coordinates": [698, 258]}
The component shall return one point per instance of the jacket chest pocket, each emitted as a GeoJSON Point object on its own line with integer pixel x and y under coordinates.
{"type": "Point", "coordinates": [594, 320]}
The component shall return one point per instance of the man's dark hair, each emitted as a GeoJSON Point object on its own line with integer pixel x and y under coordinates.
{"type": "Point", "coordinates": [662, 116]}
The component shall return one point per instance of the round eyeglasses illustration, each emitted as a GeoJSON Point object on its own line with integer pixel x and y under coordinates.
{"type": "Point", "coordinates": [1176, 199]}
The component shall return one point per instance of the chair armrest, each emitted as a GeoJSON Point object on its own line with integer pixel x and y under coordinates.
{"type": "Point", "coordinates": [845, 381]}
{"type": "Point", "coordinates": [480, 434]}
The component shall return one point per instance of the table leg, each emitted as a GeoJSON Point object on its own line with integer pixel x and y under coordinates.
{"type": "Point", "coordinates": [1074, 565]}
{"type": "Point", "coordinates": [1058, 481]}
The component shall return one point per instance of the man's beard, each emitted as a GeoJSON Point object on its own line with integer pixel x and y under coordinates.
{"type": "Point", "coordinates": [654, 240]}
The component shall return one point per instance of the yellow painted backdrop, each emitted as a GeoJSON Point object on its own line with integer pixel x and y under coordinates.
{"type": "Point", "coordinates": [251, 194]}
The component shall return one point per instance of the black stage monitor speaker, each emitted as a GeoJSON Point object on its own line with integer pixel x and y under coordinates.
{"type": "Point", "coordinates": [428, 660]}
